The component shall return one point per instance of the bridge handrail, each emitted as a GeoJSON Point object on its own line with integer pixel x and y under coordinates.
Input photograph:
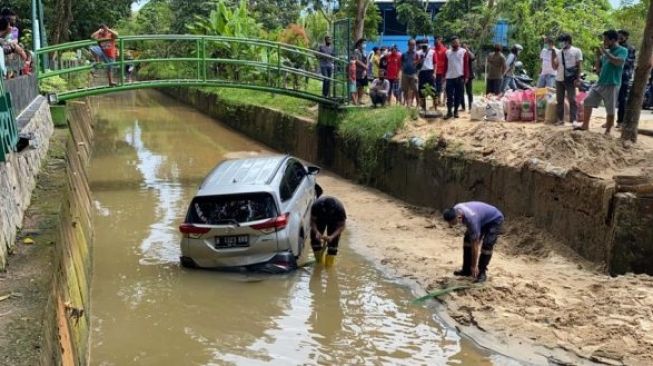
{"type": "Point", "coordinates": [189, 37]}
{"type": "Point", "coordinates": [272, 60]}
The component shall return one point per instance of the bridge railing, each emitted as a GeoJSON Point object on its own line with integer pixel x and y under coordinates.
{"type": "Point", "coordinates": [204, 60]}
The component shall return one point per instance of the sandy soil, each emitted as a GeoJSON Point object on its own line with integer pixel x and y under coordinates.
{"type": "Point", "coordinates": [539, 292]}
{"type": "Point", "coordinates": [515, 143]}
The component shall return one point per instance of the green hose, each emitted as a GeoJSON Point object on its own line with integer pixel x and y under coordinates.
{"type": "Point", "coordinates": [444, 291]}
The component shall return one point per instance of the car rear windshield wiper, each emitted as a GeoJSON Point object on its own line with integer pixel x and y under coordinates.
{"type": "Point", "coordinates": [227, 221]}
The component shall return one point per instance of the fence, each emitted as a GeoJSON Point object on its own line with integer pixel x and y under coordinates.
{"type": "Point", "coordinates": [23, 90]}
{"type": "Point", "coordinates": [8, 127]}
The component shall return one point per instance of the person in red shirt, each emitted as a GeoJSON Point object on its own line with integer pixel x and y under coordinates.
{"type": "Point", "coordinates": [440, 69]}
{"type": "Point", "coordinates": [106, 50]}
{"type": "Point", "coordinates": [393, 72]}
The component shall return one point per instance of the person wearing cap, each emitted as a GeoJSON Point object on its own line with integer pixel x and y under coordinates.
{"type": "Point", "coordinates": [483, 223]}
{"type": "Point", "coordinates": [509, 75]}
{"type": "Point", "coordinates": [548, 74]}
{"type": "Point", "coordinates": [361, 69]}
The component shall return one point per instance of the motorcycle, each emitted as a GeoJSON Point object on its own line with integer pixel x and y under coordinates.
{"type": "Point", "coordinates": [522, 79]}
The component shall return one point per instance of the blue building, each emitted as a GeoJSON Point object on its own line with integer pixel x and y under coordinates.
{"type": "Point", "coordinates": [391, 31]}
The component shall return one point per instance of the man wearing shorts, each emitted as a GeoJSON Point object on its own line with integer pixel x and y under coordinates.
{"type": "Point", "coordinates": [393, 68]}
{"type": "Point", "coordinates": [106, 50]}
{"type": "Point", "coordinates": [361, 68]}
{"type": "Point", "coordinates": [610, 64]}
{"type": "Point", "coordinates": [440, 69]}
{"type": "Point", "coordinates": [327, 214]}
{"type": "Point", "coordinates": [409, 73]}
{"type": "Point", "coordinates": [483, 224]}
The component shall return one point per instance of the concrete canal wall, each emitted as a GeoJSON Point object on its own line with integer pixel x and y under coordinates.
{"type": "Point", "coordinates": [576, 208]}
{"type": "Point", "coordinates": [18, 174]}
{"type": "Point", "coordinates": [67, 324]}
{"type": "Point", "coordinates": [52, 275]}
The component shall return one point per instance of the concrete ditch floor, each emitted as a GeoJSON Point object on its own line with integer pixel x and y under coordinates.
{"type": "Point", "coordinates": [25, 286]}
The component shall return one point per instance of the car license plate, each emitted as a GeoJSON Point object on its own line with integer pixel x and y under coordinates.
{"type": "Point", "coordinates": [232, 241]}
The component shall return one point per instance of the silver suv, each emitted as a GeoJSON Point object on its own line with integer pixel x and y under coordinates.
{"type": "Point", "coordinates": [249, 212]}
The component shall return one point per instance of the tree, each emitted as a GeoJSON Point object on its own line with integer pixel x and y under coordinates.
{"type": "Point", "coordinates": [415, 16]}
{"type": "Point", "coordinates": [359, 19]}
{"type": "Point", "coordinates": [367, 24]}
{"type": "Point", "coordinates": [642, 72]}
{"type": "Point", "coordinates": [631, 15]}
{"type": "Point", "coordinates": [273, 14]}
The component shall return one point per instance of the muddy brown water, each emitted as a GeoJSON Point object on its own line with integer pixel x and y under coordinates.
{"type": "Point", "coordinates": [150, 155]}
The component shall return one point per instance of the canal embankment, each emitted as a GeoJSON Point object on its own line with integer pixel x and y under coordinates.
{"type": "Point", "coordinates": [565, 232]}
{"type": "Point", "coordinates": [45, 318]}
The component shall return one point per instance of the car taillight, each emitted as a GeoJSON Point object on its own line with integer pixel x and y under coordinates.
{"type": "Point", "coordinates": [186, 228]}
{"type": "Point", "coordinates": [274, 224]}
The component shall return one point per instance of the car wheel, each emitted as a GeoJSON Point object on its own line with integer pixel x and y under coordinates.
{"type": "Point", "coordinates": [301, 241]}
{"type": "Point", "coordinates": [187, 262]}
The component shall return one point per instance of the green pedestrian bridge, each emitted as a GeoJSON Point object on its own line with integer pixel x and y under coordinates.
{"type": "Point", "coordinates": [200, 61]}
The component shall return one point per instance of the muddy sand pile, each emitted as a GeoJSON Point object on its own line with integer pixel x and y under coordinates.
{"type": "Point", "coordinates": [515, 143]}
{"type": "Point", "coordinates": [539, 293]}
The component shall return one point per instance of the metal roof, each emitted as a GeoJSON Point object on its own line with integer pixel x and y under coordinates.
{"type": "Point", "coordinates": [231, 175]}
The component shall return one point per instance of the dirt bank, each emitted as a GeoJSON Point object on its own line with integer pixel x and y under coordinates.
{"type": "Point", "coordinates": [540, 294]}
{"type": "Point", "coordinates": [514, 143]}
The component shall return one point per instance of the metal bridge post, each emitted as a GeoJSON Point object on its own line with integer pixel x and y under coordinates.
{"type": "Point", "coordinates": [199, 58]}
{"type": "Point", "coordinates": [121, 48]}
{"type": "Point", "coordinates": [203, 59]}
{"type": "Point", "coordinates": [278, 66]}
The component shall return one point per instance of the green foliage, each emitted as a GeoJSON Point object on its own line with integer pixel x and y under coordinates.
{"type": "Point", "coordinates": [364, 130]}
{"type": "Point", "coordinates": [414, 15]}
{"type": "Point", "coordinates": [89, 14]}
{"type": "Point", "coordinates": [273, 14]}
{"type": "Point", "coordinates": [372, 17]}
{"type": "Point", "coordinates": [450, 21]}
{"type": "Point", "coordinates": [57, 84]}
{"type": "Point", "coordinates": [316, 26]}
{"type": "Point", "coordinates": [632, 17]}
{"type": "Point", "coordinates": [585, 20]}
{"type": "Point", "coordinates": [155, 17]}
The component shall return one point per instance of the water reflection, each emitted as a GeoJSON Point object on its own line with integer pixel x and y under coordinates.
{"type": "Point", "coordinates": [160, 245]}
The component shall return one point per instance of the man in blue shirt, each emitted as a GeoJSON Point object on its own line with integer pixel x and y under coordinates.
{"type": "Point", "coordinates": [483, 224]}
{"type": "Point", "coordinates": [409, 61]}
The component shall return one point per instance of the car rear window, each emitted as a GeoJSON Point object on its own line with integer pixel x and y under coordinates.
{"type": "Point", "coordinates": [225, 209]}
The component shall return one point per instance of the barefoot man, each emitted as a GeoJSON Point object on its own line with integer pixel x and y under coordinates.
{"type": "Point", "coordinates": [327, 213]}
{"type": "Point", "coordinates": [483, 224]}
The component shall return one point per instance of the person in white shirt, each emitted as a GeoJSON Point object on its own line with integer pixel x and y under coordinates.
{"type": "Point", "coordinates": [457, 73]}
{"type": "Point", "coordinates": [568, 62]}
{"type": "Point", "coordinates": [426, 74]}
{"type": "Point", "coordinates": [548, 75]}
{"type": "Point", "coordinates": [380, 89]}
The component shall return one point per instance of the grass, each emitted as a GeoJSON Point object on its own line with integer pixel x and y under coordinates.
{"type": "Point", "coordinates": [290, 105]}
{"type": "Point", "coordinates": [370, 124]}
{"type": "Point", "coordinates": [364, 130]}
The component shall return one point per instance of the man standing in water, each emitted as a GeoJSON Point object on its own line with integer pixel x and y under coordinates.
{"type": "Point", "coordinates": [327, 213]}
{"type": "Point", "coordinates": [483, 224]}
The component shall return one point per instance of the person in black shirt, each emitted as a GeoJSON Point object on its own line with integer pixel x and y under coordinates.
{"type": "Point", "coordinates": [327, 213]}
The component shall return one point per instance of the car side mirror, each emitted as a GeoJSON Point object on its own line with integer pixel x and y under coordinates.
{"type": "Point", "coordinates": [313, 170]}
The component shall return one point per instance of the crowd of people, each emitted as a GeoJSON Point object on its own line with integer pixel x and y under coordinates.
{"type": "Point", "coordinates": [445, 72]}
{"type": "Point", "coordinates": [14, 60]}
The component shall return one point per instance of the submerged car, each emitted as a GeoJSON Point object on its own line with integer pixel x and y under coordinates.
{"type": "Point", "coordinates": [250, 212]}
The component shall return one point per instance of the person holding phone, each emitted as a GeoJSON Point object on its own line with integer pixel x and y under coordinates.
{"type": "Point", "coordinates": [610, 61]}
